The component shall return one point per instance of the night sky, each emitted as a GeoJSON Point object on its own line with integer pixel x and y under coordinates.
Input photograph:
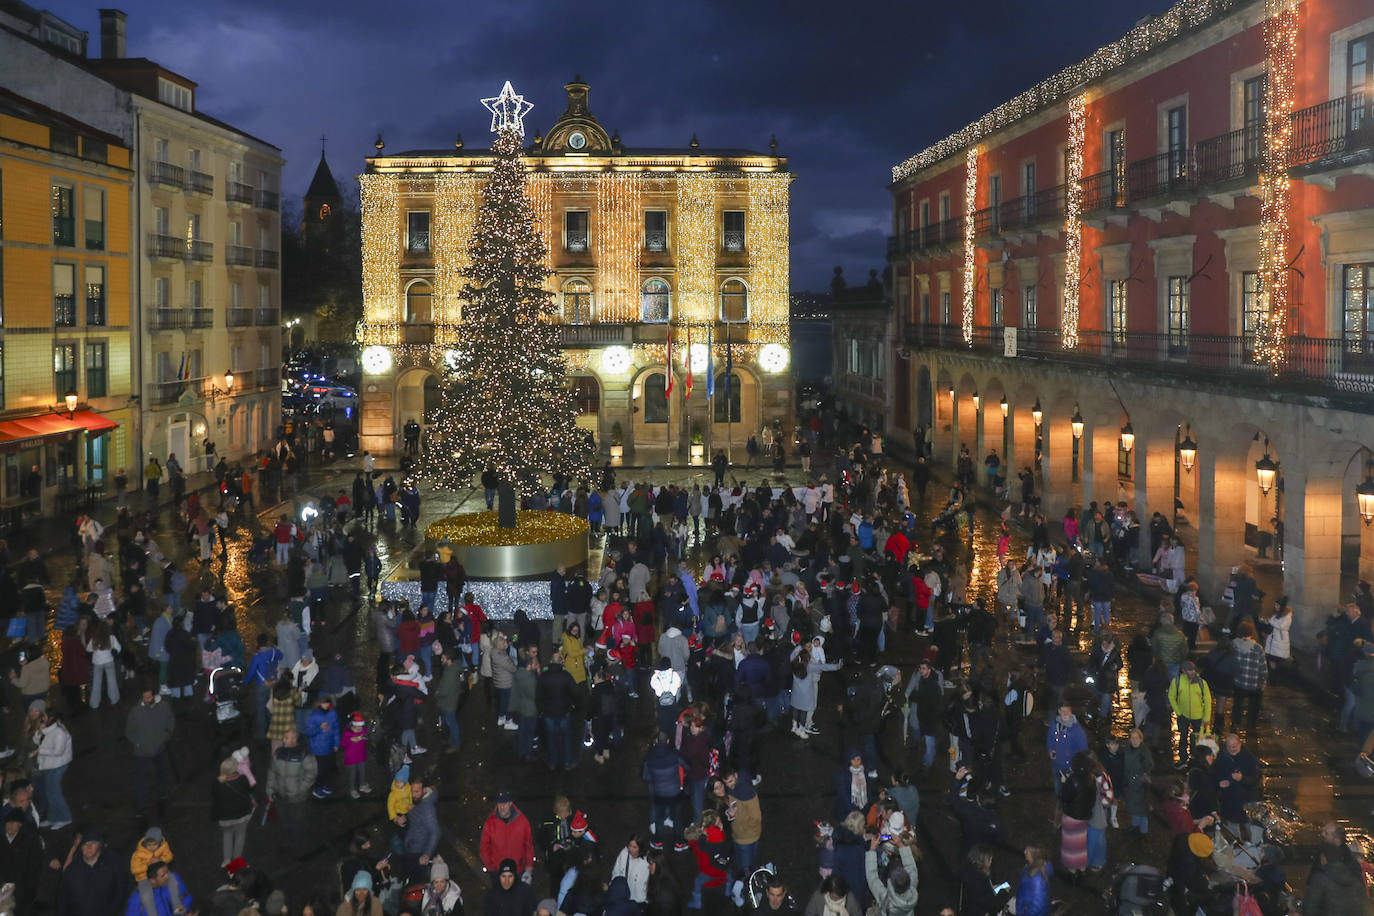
{"type": "Point", "coordinates": [850, 89]}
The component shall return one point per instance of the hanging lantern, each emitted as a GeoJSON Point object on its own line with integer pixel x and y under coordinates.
{"type": "Point", "coordinates": [1036, 413]}
{"type": "Point", "coordinates": [976, 399]}
{"type": "Point", "coordinates": [1005, 407]}
{"type": "Point", "coordinates": [951, 394]}
{"type": "Point", "coordinates": [1187, 451]}
{"type": "Point", "coordinates": [1128, 436]}
{"type": "Point", "coordinates": [1265, 473]}
{"type": "Point", "coordinates": [1076, 423]}
{"type": "Point", "coordinates": [1364, 495]}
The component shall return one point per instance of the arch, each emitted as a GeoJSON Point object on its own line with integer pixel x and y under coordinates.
{"type": "Point", "coordinates": [418, 391]}
{"type": "Point", "coordinates": [419, 302]}
{"type": "Point", "coordinates": [586, 392]}
{"type": "Point", "coordinates": [734, 301]}
{"type": "Point", "coordinates": [656, 406]}
{"type": "Point", "coordinates": [655, 301]}
{"type": "Point", "coordinates": [732, 398]}
{"type": "Point", "coordinates": [577, 301]}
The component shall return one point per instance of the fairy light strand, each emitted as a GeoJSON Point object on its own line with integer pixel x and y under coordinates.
{"type": "Point", "coordinates": [970, 207]}
{"type": "Point", "coordinates": [456, 199]}
{"type": "Point", "coordinates": [696, 248]}
{"type": "Point", "coordinates": [767, 226]}
{"type": "Point", "coordinates": [380, 199]}
{"type": "Point", "coordinates": [617, 250]}
{"type": "Point", "coordinates": [1276, 199]}
{"type": "Point", "coordinates": [1073, 226]}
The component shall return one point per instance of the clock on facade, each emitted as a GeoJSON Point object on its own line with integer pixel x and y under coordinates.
{"type": "Point", "coordinates": [324, 211]}
{"type": "Point", "coordinates": [577, 139]}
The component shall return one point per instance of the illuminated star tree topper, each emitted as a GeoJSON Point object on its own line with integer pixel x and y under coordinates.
{"type": "Point", "coordinates": [508, 110]}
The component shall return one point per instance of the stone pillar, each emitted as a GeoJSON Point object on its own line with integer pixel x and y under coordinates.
{"type": "Point", "coordinates": [979, 452]}
{"type": "Point", "coordinates": [1221, 522]}
{"type": "Point", "coordinates": [1022, 442]}
{"type": "Point", "coordinates": [1158, 474]}
{"type": "Point", "coordinates": [1312, 549]}
{"type": "Point", "coordinates": [1058, 469]}
{"type": "Point", "coordinates": [1105, 475]}
{"type": "Point", "coordinates": [1087, 474]}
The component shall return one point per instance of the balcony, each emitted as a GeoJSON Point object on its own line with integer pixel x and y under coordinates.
{"type": "Point", "coordinates": [267, 200]}
{"type": "Point", "coordinates": [268, 259]}
{"type": "Point", "coordinates": [1231, 157]}
{"type": "Point", "coordinates": [1104, 191]}
{"type": "Point", "coordinates": [165, 174]}
{"type": "Point", "coordinates": [64, 311]}
{"type": "Point", "coordinates": [239, 318]}
{"type": "Point", "coordinates": [202, 318]}
{"type": "Point", "coordinates": [417, 243]}
{"type": "Point", "coordinates": [95, 235]}
{"type": "Point", "coordinates": [594, 335]}
{"type": "Point", "coordinates": [165, 319]}
{"type": "Point", "coordinates": [163, 394]}
{"type": "Point", "coordinates": [236, 192]}
{"type": "Point", "coordinates": [1333, 137]}
{"type": "Point", "coordinates": [64, 231]}
{"type": "Point", "coordinates": [656, 240]}
{"type": "Point", "coordinates": [200, 183]}
{"type": "Point", "coordinates": [238, 255]}
{"type": "Point", "coordinates": [1321, 366]}
{"type": "Point", "coordinates": [1168, 176]}
{"type": "Point", "coordinates": [253, 379]}
{"type": "Point", "coordinates": [734, 240]}
{"type": "Point", "coordinates": [167, 247]}
{"type": "Point", "coordinates": [266, 317]}
{"type": "Point", "coordinates": [944, 234]}
{"type": "Point", "coordinates": [577, 240]}
{"type": "Point", "coordinates": [203, 252]}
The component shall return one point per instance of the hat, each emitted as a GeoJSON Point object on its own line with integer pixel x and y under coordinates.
{"type": "Point", "coordinates": [1189, 666]}
{"type": "Point", "coordinates": [548, 905]}
{"type": "Point", "coordinates": [769, 625]}
{"type": "Point", "coordinates": [715, 834]}
{"type": "Point", "coordinates": [38, 706]}
{"type": "Point", "coordinates": [503, 797]}
{"type": "Point", "coordinates": [694, 641]}
{"type": "Point", "coordinates": [507, 867]}
{"type": "Point", "coordinates": [579, 821]}
{"type": "Point", "coordinates": [357, 718]}
{"type": "Point", "coordinates": [363, 880]}
{"type": "Point", "coordinates": [438, 870]}
{"type": "Point", "coordinates": [235, 865]}
{"type": "Point", "coordinates": [663, 664]}
{"type": "Point", "coordinates": [897, 822]}
{"type": "Point", "coordinates": [154, 834]}
{"type": "Point", "coordinates": [93, 835]}
{"type": "Point", "coordinates": [796, 637]}
{"type": "Point", "coordinates": [276, 901]}
{"type": "Point", "coordinates": [403, 774]}
{"type": "Point", "coordinates": [1200, 844]}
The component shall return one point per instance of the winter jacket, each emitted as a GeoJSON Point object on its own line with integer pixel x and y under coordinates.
{"type": "Point", "coordinates": [354, 745]}
{"type": "Point", "coordinates": [164, 898]}
{"type": "Point", "coordinates": [672, 645]}
{"type": "Point", "coordinates": [1278, 644]}
{"type": "Point", "coordinates": [322, 728]}
{"type": "Point", "coordinates": [887, 901]}
{"type": "Point", "coordinates": [574, 658]}
{"type": "Point", "coordinates": [618, 899]}
{"type": "Point", "coordinates": [1252, 669]}
{"type": "Point", "coordinates": [292, 774]}
{"type": "Point", "coordinates": [514, 902]}
{"type": "Point", "coordinates": [635, 871]}
{"type": "Point", "coordinates": [555, 693]}
{"type": "Point", "coordinates": [1170, 646]}
{"type": "Point", "coordinates": [230, 799]}
{"type": "Point", "coordinates": [54, 746]}
{"type": "Point", "coordinates": [523, 683]}
{"type": "Point", "coordinates": [1033, 894]}
{"type": "Point", "coordinates": [422, 826]}
{"type": "Point", "coordinates": [142, 855]}
{"type": "Point", "coordinates": [149, 728]}
{"type": "Point", "coordinates": [1191, 698]}
{"type": "Point", "coordinates": [92, 890]}
{"type": "Point", "coordinates": [748, 823]}
{"type": "Point", "coordinates": [816, 905]}
{"type": "Point", "coordinates": [1337, 887]}
{"type": "Point", "coordinates": [507, 839]}
{"type": "Point", "coordinates": [663, 770]}
{"type": "Point", "coordinates": [449, 688]}
{"type": "Point", "coordinates": [502, 667]}
{"type": "Point", "coordinates": [1065, 741]}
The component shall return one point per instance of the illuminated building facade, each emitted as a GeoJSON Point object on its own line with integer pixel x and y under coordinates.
{"type": "Point", "coordinates": [1173, 238]}
{"type": "Point", "coordinates": [650, 249]}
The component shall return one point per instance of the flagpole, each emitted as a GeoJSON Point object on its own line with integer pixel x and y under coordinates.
{"type": "Point", "coordinates": [729, 414]}
{"type": "Point", "coordinates": [668, 427]}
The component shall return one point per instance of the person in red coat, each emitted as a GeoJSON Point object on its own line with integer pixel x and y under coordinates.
{"type": "Point", "coordinates": [506, 835]}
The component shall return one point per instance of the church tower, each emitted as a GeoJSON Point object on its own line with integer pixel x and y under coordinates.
{"type": "Point", "coordinates": [322, 200]}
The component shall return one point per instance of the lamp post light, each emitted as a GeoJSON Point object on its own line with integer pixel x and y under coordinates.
{"type": "Point", "coordinates": [1128, 436]}
{"type": "Point", "coordinates": [71, 403]}
{"type": "Point", "coordinates": [1036, 413]}
{"type": "Point", "coordinates": [1076, 423]}
{"type": "Point", "coordinates": [1187, 450]}
{"type": "Point", "coordinates": [1006, 408]}
{"type": "Point", "coordinates": [1364, 494]}
{"type": "Point", "coordinates": [976, 400]}
{"type": "Point", "coordinates": [1265, 472]}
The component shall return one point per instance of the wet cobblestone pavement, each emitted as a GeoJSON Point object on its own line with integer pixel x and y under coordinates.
{"type": "Point", "coordinates": [1308, 766]}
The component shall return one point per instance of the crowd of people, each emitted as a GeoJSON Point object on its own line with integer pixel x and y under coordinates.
{"type": "Point", "coordinates": [724, 627]}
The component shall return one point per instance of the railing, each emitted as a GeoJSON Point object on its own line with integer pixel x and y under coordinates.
{"type": "Point", "coordinates": [1333, 128]}
{"type": "Point", "coordinates": [200, 183]}
{"type": "Point", "coordinates": [166, 246]}
{"type": "Point", "coordinates": [577, 240]}
{"type": "Point", "coordinates": [584, 335]}
{"type": "Point", "coordinates": [269, 259]}
{"type": "Point", "coordinates": [251, 379]}
{"type": "Point", "coordinates": [236, 192]}
{"type": "Point", "coordinates": [238, 255]}
{"type": "Point", "coordinates": [202, 318]}
{"type": "Point", "coordinates": [944, 233]}
{"type": "Point", "coordinates": [95, 235]}
{"type": "Point", "coordinates": [64, 231]}
{"type": "Point", "coordinates": [417, 242]}
{"type": "Point", "coordinates": [1104, 191]}
{"type": "Point", "coordinates": [656, 240]}
{"type": "Point", "coordinates": [265, 317]}
{"type": "Point", "coordinates": [95, 311]}
{"type": "Point", "coordinates": [1229, 157]}
{"type": "Point", "coordinates": [64, 311]}
{"type": "Point", "coordinates": [1310, 363]}
{"type": "Point", "coordinates": [165, 173]}
{"type": "Point", "coordinates": [734, 240]}
{"type": "Point", "coordinates": [268, 200]}
{"type": "Point", "coordinates": [200, 251]}
{"type": "Point", "coordinates": [160, 394]}
{"type": "Point", "coordinates": [164, 319]}
{"type": "Point", "coordinates": [1161, 176]}
{"type": "Point", "coordinates": [239, 318]}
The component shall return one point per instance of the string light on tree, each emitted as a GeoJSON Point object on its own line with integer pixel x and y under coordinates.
{"type": "Point", "coordinates": [1073, 226]}
{"type": "Point", "coordinates": [970, 206]}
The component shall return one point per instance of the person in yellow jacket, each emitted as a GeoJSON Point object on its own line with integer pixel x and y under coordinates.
{"type": "Point", "coordinates": [1191, 700]}
{"type": "Point", "coordinates": [399, 800]}
{"type": "Point", "coordinates": [152, 845]}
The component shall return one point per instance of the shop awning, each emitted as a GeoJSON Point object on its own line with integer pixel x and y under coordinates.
{"type": "Point", "coordinates": [53, 424]}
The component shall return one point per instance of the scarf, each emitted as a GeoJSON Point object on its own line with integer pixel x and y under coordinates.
{"type": "Point", "coordinates": [858, 788]}
{"type": "Point", "coordinates": [833, 907]}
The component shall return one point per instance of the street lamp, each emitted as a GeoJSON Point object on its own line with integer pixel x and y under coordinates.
{"type": "Point", "coordinates": [71, 403]}
{"type": "Point", "coordinates": [228, 382]}
{"type": "Point", "coordinates": [1036, 413]}
{"type": "Point", "coordinates": [228, 387]}
{"type": "Point", "coordinates": [1005, 407]}
{"type": "Point", "coordinates": [976, 400]}
{"type": "Point", "coordinates": [1364, 494]}
{"type": "Point", "coordinates": [1076, 423]}
{"type": "Point", "coordinates": [1265, 471]}
{"type": "Point", "coordinates": [1187, 450]}
{"type": "Point", "coordinates": [1128, 436]}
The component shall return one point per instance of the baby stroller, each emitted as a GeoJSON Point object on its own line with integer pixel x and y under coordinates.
{"type": "Point", "coordinates": [1138, 890]}
{"type": "Point", "coordinates": [226, 689]}
{"type": "Point", "coordinates": [262, 548]}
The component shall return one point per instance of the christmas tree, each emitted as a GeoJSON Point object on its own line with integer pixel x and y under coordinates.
{"type": "Point", "coordinates": [506, 405]}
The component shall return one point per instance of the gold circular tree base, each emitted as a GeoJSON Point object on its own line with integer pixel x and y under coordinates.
{"type": "Point", "coordinates": [539, 543]}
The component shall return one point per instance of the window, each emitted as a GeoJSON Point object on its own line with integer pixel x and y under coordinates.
{"type": "Point", "coordinates": [653, 304]}
{"type": "Point", "coordinates": [93, 217]}
{"type": "Point", "coordinates": [944, 206]}
{"type": "Point", "coordinates": [194, 296]}
{"type": "Point", "coordinates": [63, 216]}
{"type": "Point", "coordinates": [655, 230]}
{"type": "Point", "coordinates": [655, 399]}
{"type": "Point", "coordinates": [1028, 189]}
{"type": "Point", "coordinates": [944, 307]}
{"type": "Point", "coordinates": [64, 369]}
{"type": "Point", "coordinates": [160, 153]}
{"type": "Point", "coordinates": [1123, 461]}
{"type": "Point", "coordinates": [995, 307]}
{"type": "Point", "coordinates": [95, 150]}
{"type": "Point", "coordinates": [994, 200]}
{"type": "Point", "coordinates": [1029, 305]}
{"type": "Point", "coordinates": [925, 213]}
{"type": "Point", "coordinates": [64, 295]}
{"type": "Point", "coordinates": [417, 232]}
{"type": "Point", "coordinates": [1249, 308]}
{"type": "Point", "coordinates": [1178, 314]}
{"type": "Point", "coordinates": [575, 224]}
{"type": "Point", "coordinates": [193, 226]}
{"type": "Point", "coordinates": [577, 302]}
{"type": "Point", "coordinates": [1253, 94]}
{"type": "Point", "coordinates": [2, 374]}
{"type": "Point", "coordinates": [95, 296]}
{"type": "Point", "coordinates": [586, 394]}
{"type": "Point", "coordinates": [925, 308]}
{"type": "Point", "coordinates": [1360, 80]}
{"type": "Point", "coordinates": [1116, 165]}
{"type": "Point", "coordinates": [162, 292]}
{"type": "Point", "coordinates": [96, 373]}
{"type": "Point", "coordinates": [236, 296]}
{"type": "Point", "coordinates": [727, 398]}
{"type": "Point", "coordinates": [1357, 309]}
{"type": "Point", "coordinates": [265, 296]}
{"type": "Point", "coordinates": [62, 141]}
{"type": "Point", "coordinates": [1116, 312]}
{"type": "Point", "coordinates": [193, 160]}
{"type": "Point", "coordinates": [162, 221]}
{"type": "Point", "coordinates": [174, 94]}
{"type": "Point", "coordinates": [734, 301]}
{"type": "Point", "coordinates": [732, 222]}
{"type": "Point", "coordinates": [1177, 134]}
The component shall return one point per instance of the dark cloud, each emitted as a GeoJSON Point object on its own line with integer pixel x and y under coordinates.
{"type": "Point", "coordinates": [849, 89]}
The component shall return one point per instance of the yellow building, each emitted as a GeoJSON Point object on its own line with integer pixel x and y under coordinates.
{"type": "Point", "coordinates": [65, 415]}
{"type": "Point", "coordinates": [647, 246]}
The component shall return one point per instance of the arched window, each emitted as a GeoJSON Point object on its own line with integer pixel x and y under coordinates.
{"type": "Point", "coordinates": [734, 301]}
{"type": "Point", "coordinates": [724, 399]}
{"type": "Point", "coordinates": [586, 394]}
{"type": "Point", "coordinates": [577, 302]}
{"type": "Point", "coordinates": [418, 298]}
{"type": "Point", "coordinates": [654, 301]}
{"type": "Point", "coordinates": [655, 400]}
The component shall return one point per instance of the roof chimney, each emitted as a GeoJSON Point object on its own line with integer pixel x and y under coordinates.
{"type": "Point", "coordinates": [112, 33]}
